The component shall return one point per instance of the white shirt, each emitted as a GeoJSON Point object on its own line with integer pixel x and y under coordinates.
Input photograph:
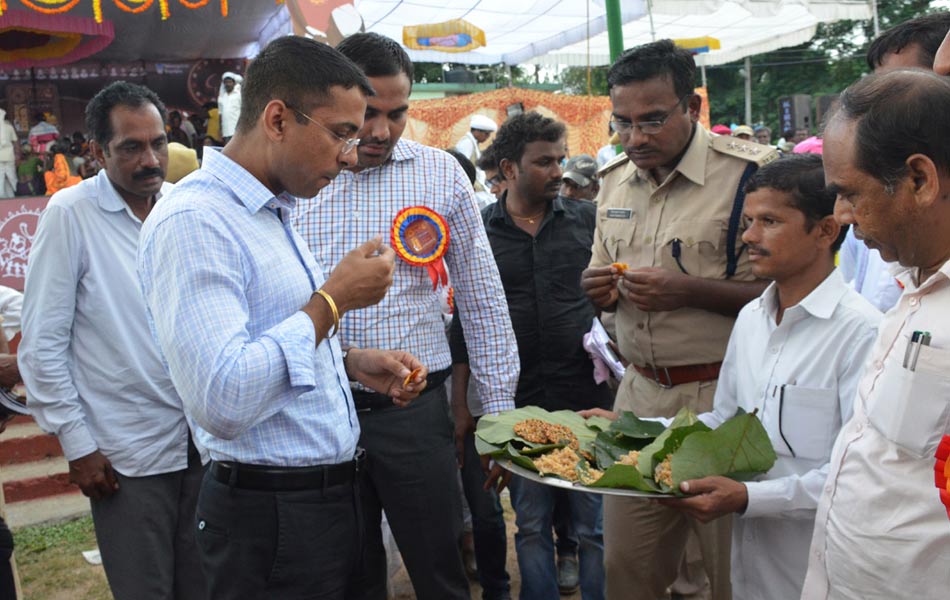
{"type": "Point", "coordinates": [468, 147]}
{"type": "Point", "coordinates": [868, 273]}
{"type": "Point", "coordinates": [881, 531]}
{"type": "Point", "coordinates": [11, 305]}
{"type": "Point", "coordinates": [229, 107]}
{"type": "Point", "coordinates": [93, 372]}
{"type": "Point", "coordinates": [803, 374]}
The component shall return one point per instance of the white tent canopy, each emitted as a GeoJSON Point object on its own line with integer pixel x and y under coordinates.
{"type": "Point", "coordinates": [743, 28]}
{"type": "Point", "coordinates": [516, 31]}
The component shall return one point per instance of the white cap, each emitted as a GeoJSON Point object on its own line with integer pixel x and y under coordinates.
{"type": "Point", "coordinates": [483, 123]}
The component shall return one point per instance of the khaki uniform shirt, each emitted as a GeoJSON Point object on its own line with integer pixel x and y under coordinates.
{"type": "Point", "coordinates": [637, 221]}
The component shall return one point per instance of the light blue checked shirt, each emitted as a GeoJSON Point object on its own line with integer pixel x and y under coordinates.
{"type": "Point", "coordinates": [224, 276]}
{"type": "Point", "coordinates": [359, 206]}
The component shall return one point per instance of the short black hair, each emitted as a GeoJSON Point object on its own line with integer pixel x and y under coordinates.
{"type": "Point", "coordinates": [519, 131]}
{"type": "Point", "coordinates": [489, 162]}
{"type": "Point", "coordinates": [897, 114]}
{"type": "Point", "coordinates": [377, 55]}
{"type": "Point", "coordinates": [927, 32]}
{"type": "Point", "coordinates": [802, 177]}
{"type": "Point", "coordinates": [299, 71]}
{"type": "Point", "coordinates": [119, 93]}
{"type": "Point", "coordinates": [657, 59]}
{"type": "Point", "coordinates": [467, 165]}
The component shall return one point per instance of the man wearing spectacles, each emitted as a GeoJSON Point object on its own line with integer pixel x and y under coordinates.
{"type": "Point", "coordinates": [670, 208]}
{"type": "Point", "coordinates": [413, 471]}
{"type": "Point", "coordinates": [246, 321]}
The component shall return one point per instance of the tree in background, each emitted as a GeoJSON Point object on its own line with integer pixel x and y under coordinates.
{"type": "Point", "coordinates": [827, 64]}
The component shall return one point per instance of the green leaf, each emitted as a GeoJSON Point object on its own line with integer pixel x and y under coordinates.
{"type": "Point", "coordinates": [668, 442]}
{"type": "Point", "coordinates": [629, 425]}
{"type": "Point", "coordinates": [483, 447]}
{"type": "Point", "coordinates": [738, 447]}
{"type": "Point", "coordinates": [511, 453]}
{"type": "Point", "coordinates": [625, 477]}
{"type": "Point", "coordinates": [609, 446]}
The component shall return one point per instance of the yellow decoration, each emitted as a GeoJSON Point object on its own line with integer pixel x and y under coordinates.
{"type": "Point", "coordinates": [457, 35]}
{"type": "Point", "coordinates": [62, 43]}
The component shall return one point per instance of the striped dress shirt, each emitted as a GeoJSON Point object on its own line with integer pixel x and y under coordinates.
{"type": "Point", "coordinates": [224, 277]}
{"type": "Point", "coordinates": [359, 206]}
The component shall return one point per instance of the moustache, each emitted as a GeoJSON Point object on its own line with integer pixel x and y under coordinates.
{"type": "Point", "coordinates": [146, 173]}
{"type": "Point", "coordinates": [759, 250]}
{"type": "Point", "coordinates": [373, 142]}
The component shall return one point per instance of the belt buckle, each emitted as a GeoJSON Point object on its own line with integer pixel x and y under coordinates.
{"type": "Point", "coordinates": [656, 377]}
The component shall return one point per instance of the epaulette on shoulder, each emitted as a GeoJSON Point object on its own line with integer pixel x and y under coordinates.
{"type": "Point", "coordinates": [617, 161]}
{"type": "Point", "coordinates": [760, 154]}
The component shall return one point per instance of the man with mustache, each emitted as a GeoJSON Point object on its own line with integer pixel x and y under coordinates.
{"type": "Point", "coordinates": [795, 355]}
{"type": "Point", "coordinates": [881, 529]}
{"type": "Point", "coordinates": [95, 376]}
{"type": "Point", "coordinates": [413, 470]}
{"type": "Point", "coordinates": [669, 208]}
{"type": "Point", "coordinates": [542, 242]}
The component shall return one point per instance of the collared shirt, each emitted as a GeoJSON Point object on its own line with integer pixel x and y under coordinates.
{"type": "Point", "coordinates": [801, 376]}
{"type": "Point", "coordinates": [550, 313]}
{"type": "Point", "coordinates": [864, 269]}
{"type": "Point", "coordinates": [358, 206]}
{"type": "Point", "coordinates": [881, 530]}
{"type": "Point", "coordinates": [93, 373]}
{"type": "Point", "coordinates": [638, 223]}
{"type": "Point", "coordinates": [225, 276]}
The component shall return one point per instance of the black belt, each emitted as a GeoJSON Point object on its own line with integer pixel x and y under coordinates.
{"type": "Point", "coordinates": [376, 401]}
{"type": "Point", "coordinates": [287, 479]}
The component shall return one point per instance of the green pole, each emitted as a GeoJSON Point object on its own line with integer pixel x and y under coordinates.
{"type": "Point", "coordinates": [614, 29]}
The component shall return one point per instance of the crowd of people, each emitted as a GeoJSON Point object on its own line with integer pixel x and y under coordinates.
{"type": "Point", "coordinates": [248, 369]}
{"type": "Point", "coordinates": [46, 161]}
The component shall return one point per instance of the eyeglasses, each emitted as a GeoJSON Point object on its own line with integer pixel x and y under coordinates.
{"type": "Point", "coordinates": [348, 143]}
{"type": "Point", "coordinates": [646, 127]}
{"type": "Point", "coordinates": [494, 181]}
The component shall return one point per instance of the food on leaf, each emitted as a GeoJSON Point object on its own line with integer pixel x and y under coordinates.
{"type": "Point", "coordinates": [561, 462]}
{"type": "Point", "coordinates": [533, 430]}
{"type": "Point", "coordinates": [628, 453]}
{"type": "Point", "coordinates": [630, 458]}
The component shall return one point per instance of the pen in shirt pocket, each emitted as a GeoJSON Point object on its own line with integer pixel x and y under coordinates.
{"type": "Point", "coordinates": [924, 340]}
{"type": "Point", "coordinates": [910, 346]}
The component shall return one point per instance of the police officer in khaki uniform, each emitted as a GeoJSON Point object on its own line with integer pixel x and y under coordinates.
{"type": "Point", "coordinates": [667, 208]}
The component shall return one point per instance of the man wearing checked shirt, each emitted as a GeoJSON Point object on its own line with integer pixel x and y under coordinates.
{"type": "Point", "coordinates": [413, 468]}
{"type": "Point", "coordinates": [246, 318]}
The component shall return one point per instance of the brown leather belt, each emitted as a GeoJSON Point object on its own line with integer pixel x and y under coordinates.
{"type": "Point", "coordinates": [667, 377]}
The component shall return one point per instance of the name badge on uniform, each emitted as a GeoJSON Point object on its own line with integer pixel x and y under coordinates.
{"type": "Point", "coordinates": [619, 213]}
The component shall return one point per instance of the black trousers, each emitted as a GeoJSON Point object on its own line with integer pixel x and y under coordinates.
{"type": "Point", "coordinates": [7, 584]}
{"type": "Point", "coordinates": [413, 475]}
{"type": "Point", "coordinates": [287, 545]}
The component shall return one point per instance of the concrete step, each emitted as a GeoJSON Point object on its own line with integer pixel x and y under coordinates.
{"type": "Point", "coordinates": [37, 479]}
{"type": "Point", "coordinates": [41, 510]}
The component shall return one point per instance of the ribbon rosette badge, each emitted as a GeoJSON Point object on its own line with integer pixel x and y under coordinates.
{"type": "Point", "coordinates": [942, 471]}
{"type": "Point", "coordinates": [420, 236]}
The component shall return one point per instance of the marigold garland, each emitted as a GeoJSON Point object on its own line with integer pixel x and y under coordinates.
{"type": "Point", "coordinates": [65, 6]}
{"type": "Point", "coordinates": [143, 5]}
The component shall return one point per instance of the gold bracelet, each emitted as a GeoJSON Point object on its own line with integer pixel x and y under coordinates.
{"type": "Point", "coordinates": [336, 313]}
